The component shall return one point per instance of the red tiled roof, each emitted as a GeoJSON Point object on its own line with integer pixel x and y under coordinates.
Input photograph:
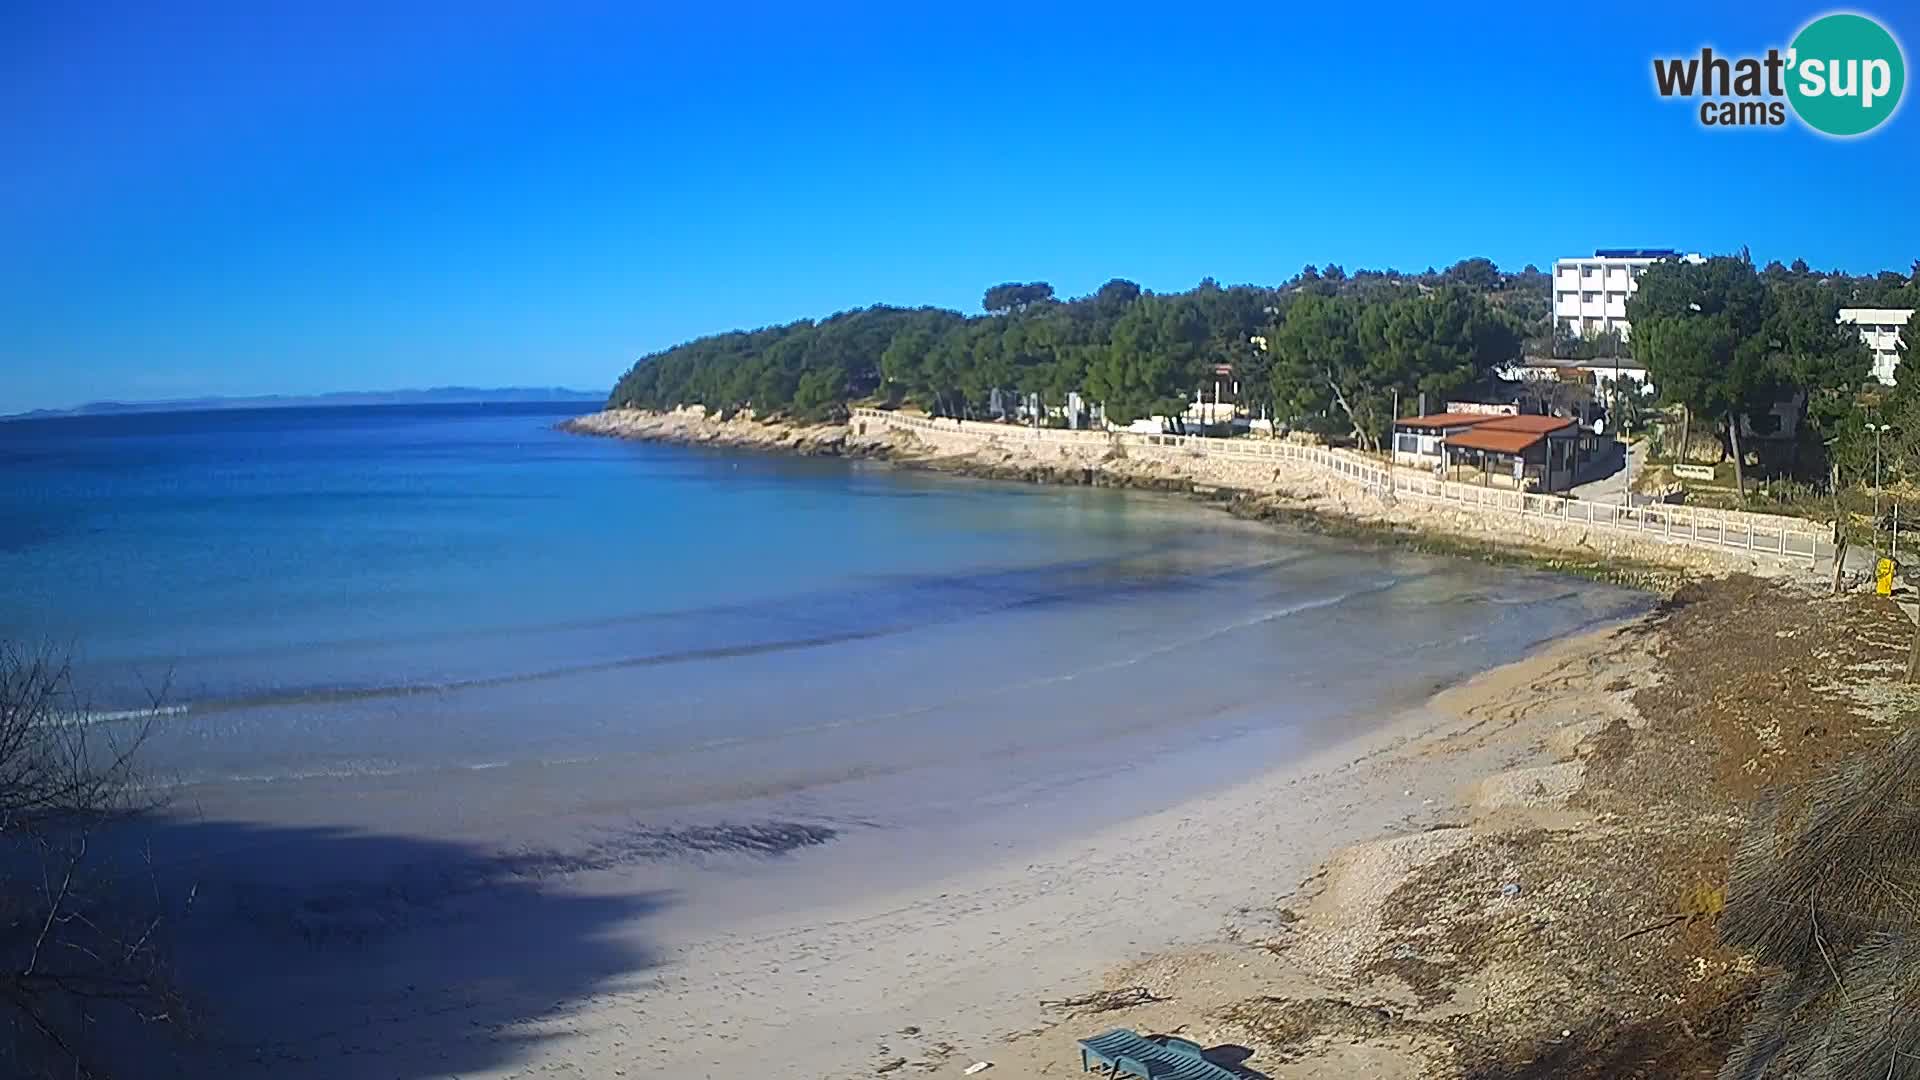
{"type": "Point", "coordinates": [1537, 424]}
{"type": "Point", "coordinates": [1496, 440]}
{"type": "Point", "coordinates": [1449, 419]}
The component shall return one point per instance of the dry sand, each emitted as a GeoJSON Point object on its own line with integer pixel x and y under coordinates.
{"type": "Point", "coordinates": [931, 978]}
{"type": "Point", "coordinates": [1351, 834]}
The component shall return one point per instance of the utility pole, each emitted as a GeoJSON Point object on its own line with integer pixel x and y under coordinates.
{"type": "Point", "coordinates": [1620, 414]}
{"type": "Point", "coordinates": [1393, 442]}
{"type": "Point", "coordinates": [1878, 430]}
{"type": "Point", "coordinates": [1626, 460]}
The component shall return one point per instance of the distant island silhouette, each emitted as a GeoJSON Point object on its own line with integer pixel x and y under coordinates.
{"type": "Point", "coordinates": [440, 395]}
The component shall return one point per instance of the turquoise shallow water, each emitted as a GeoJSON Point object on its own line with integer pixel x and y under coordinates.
{"type": "Point", "coordinates": [272, 553]}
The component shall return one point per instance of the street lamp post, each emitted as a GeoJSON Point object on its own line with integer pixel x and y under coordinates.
{"type": "Point", "coordinates": [1878, 430]}
{"type": "Point", "coordinates": [1393, 443]}
{"type": "Point", "coordinates": [1626, 436]}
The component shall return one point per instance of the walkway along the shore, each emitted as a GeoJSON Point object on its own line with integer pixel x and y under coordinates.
{"type": "Point", "coordinates": [1793, 540]}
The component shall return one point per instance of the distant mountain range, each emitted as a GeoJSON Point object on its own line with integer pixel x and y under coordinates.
{"type": "Point", "coordinates": [440, 395]}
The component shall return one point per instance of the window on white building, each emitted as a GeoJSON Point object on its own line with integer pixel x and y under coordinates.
{"type": "Point", "coordinates": [1586, 271]}
{"type": "Point", "coordinates": [1589, 297]}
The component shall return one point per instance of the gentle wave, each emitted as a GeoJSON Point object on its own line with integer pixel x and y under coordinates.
{"type": "Point", "coordinates": [120, 716]}
{"type": "Point", "coordinates": [905, 604]}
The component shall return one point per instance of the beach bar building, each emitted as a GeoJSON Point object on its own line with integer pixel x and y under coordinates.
{"type": "Point", "coordinates": [1420, 441]}
{"type": "Point", "coordinates": [1528, 453]}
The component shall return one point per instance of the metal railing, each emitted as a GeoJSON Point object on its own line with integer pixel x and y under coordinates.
{"type": "Point", "coordinates": [1658, 522]}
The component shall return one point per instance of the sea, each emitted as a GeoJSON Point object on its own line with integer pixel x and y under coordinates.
{"type": "Point", "coordinates": [444, 717]}
{"type": "Point", "coordinates": [402, 591]}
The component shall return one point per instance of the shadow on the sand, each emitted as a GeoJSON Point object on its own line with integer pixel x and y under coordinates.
{"type": "Point", "coordinates": [1230, 1056]}
{"type": "Point", "coordinates": [1664, 1046]}
{"type": "Point", "coordinates": [332, 953]}
{"type": "Point", "coordinates": [1234, 1057]}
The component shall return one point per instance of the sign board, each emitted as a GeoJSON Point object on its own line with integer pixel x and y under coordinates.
{"type": "Point", "coordinates": [1693, 472]}
{"type": "Point", "coordinates": [1883, 578]}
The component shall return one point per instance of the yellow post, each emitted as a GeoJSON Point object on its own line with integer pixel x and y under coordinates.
{"type": "Point", "coordinates": [1883, 578]}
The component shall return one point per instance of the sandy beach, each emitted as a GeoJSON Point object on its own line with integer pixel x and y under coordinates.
{"type": "Point", "coordinates": [850, 970]}
{"type": "Point", "coordinates": [936, 977]}
{"type": "Point", "coordinates": [1448, 895]}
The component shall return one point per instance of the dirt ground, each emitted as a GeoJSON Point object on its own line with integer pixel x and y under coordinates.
{"type": "Point", "coordinates": [1559, 921]}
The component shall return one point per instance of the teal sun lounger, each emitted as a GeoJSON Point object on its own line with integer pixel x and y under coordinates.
{"type": "Point", "coordinates": [1161, 1058]}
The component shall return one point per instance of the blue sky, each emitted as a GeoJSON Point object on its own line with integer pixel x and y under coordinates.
{"type": "Point", "coordinates": [259, 199]}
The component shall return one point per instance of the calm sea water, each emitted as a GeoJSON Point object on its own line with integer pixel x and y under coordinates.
{"type": "Point", "coordinates": [386, 592]}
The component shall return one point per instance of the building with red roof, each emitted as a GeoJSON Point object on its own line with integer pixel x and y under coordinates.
{"type": "Point", "coordinates": [1534, 453]}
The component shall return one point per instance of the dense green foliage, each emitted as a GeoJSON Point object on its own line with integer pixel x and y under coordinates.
{"type": "Point", "coordinates": [1342, 359]}
{"type": "Point", "coordinates": [1728, 344]}
{"type": "Point", "coordinates": [1134, 352]}
{"type": "Point", "coordinates": [1327, 350]}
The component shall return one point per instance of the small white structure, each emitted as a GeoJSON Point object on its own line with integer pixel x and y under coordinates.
{"type": "Point", "coordinates": [1630, 373]}
{"type": "Point", "coordinates": [1590, 294]}
{"type": "Point", "coordinates": [1536, 369]}
{"type": "Point", "coordinates": [1482, 408]}
{"type": "Point", "coordinates": [1880, 328]}
{"type": "Point", "coordinates": [1598, 372]}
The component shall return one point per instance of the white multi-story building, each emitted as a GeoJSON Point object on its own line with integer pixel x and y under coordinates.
{"type": "Point", "coordinates": [1590, 294]}
{"type": "Point", "coordinates": [1880, 328]}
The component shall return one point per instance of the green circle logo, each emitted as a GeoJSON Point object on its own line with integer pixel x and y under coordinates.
{"type": "Point", "coordinates": [1846, 74]}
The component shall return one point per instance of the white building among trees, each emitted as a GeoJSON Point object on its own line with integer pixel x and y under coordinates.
{"type": "Point", "coordinates": [1880, 328]}
{"type": "Point", "coordinates": [1590, 294]}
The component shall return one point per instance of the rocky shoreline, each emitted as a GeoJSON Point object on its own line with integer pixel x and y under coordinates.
{"type": "Point", "coordinates": [1297, 498]}
{"type": "Point", "coordinates": [694, 427]}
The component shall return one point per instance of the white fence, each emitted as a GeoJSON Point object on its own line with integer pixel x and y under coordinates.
{"type": "Point", "coordinates": [1691, 526]}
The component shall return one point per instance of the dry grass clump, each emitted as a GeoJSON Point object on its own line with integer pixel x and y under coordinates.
{"type": "Point", "coordinates": [1828, 892]}
{"type": "Point", "coordinates": [81, 962]}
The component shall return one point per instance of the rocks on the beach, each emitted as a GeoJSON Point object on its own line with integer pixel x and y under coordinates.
{"type": "Point", "coordinates": [977, 1067]}
{"type": "Point", "coordinates": [1537, 787]}
{"type": "Point", "coordinates": [694, 426]}
{"type": "Point", "coordinates": [1346, 918]}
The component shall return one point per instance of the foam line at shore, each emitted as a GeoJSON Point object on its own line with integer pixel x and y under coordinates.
{"type": "Point", "coordinates": [120, 716]}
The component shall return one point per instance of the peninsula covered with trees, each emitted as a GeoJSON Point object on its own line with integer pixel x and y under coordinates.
{"type": "Point", "coordinates": [1326, 351]}
{"type": "Point", "coordinates": [1325, 345]}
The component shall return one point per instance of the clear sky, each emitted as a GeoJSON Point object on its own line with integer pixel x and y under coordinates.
{"type": "Point", "coordinates": [260, 199]}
